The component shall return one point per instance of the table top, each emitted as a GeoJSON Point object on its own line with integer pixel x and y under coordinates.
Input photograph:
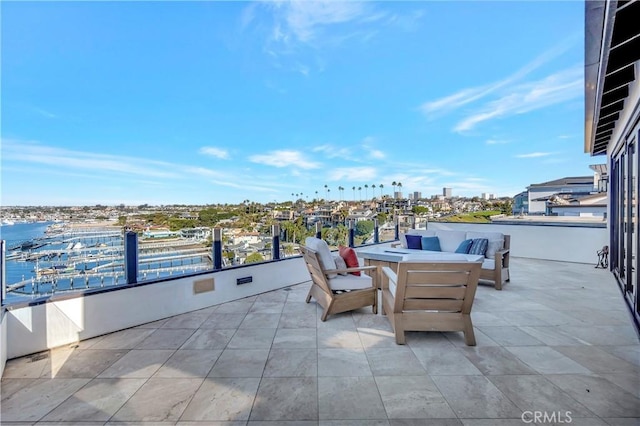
{"type": "Point", "coordinates": [398, 254]}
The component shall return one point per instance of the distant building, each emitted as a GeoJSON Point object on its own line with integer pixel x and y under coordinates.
{"type": "Point", "coordinates": [417, 195]}
{"type": "Point", "coordinates": [521, 204]}
{"type": "Point", "coordinates": [199, 233]}
{"type": "Point", "coordinates": [540, 193]}
{"type": "Point", "coordinates": [592, 205]}
{"type": "Point", "coordinates": [447, 192]}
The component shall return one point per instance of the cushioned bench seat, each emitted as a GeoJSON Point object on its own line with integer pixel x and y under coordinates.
{"type": "Point", "coordinates": [495, 265]}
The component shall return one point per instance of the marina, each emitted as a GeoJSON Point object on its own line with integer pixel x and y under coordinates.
{"type": "Point", "coordinates": [55, 258]}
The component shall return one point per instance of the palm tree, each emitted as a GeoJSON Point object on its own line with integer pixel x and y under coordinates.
{"type": "Point", "coordinates": [316, 195]}
{"type": "Point", "coordinates": [360, 191]}
{"type": "Point", "coordinates": [373, 190]}
{"type": "Point", "coordinates": [399, 186]}
{"type": "Point", "coordinates": [381, 186]}
{"type": "Point", "coordinates": [354, 193]}
{"type": "Point", "coordinates": [366, 191]}
{"type": "Point", "coordinates": [394, 184]}
{"type": "Point", "coordinates": [326, 191]}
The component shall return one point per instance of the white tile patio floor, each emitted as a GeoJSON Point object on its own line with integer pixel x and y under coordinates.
{"type": "Point", "coordinates": [557, 340]}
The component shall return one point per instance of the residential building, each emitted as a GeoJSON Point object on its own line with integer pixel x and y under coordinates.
{"type": "Point", "coordinates": [580, 206]}
{"type": "Point", "coordinates": [446, 192]}
{"type": "Point", "coordinates": [612, 128]}
{"type": "Point", "coordinates": [540, 193]}
{"type": "Point", "coordinates": [521, 203]}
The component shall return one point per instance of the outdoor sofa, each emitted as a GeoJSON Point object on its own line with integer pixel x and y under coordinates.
{"type": "Point", "coordinates": [495, 266]}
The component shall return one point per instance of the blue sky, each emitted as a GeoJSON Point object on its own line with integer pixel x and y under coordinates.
{"type": "Point", "coordinates": [218, 102]}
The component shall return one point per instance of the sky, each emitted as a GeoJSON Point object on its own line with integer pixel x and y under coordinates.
{"type": "Point", "coordinates": [219, 102]}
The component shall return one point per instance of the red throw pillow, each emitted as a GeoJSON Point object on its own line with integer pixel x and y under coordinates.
{"type": "Point", "coordinates": [350, 258]}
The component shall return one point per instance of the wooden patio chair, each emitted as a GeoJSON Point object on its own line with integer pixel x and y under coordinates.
{"type": "Point", "coordinates": [430, 296]}
{"type": "Point", "coordinates": [339, 293]}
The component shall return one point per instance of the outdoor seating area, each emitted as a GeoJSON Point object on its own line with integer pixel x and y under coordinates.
{"type": "Point", "coordinates": [494, 249]}
{"type": "Point", "coordinates": [559, 340]}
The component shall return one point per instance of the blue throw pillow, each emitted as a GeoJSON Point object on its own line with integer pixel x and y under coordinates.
{"type": "Point", "coordinates": [413, 241]}
{"type": "Point", "coordinates": [431, 243]}
{"type": "Point", "coordinates": [479, 246]}
{"type": "Point", "coordinates": [464, 247]}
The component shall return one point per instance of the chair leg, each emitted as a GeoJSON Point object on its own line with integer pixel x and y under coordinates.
{"type": "Point", "coordinates": [309, 294]}
{"type": "Point", "coordinates": [323, 318]}
{"type": "Point", "coordinates": [469, 335]}
{"type": "Point", "coordinates": [375, 302]}
{"type": "Point", "coordinates": [398, 330]}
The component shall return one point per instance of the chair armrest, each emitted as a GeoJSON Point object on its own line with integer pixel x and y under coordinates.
{"type": "Point", "coordinates": [502, 258]}
{"type": "Point", "coordinates": [359, 268]}
{"type": "Point", "coordinates": [392, 276]}
{"type": "Point", "coordinates": [395, 245]}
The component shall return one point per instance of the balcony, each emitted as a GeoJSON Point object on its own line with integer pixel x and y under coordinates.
{"type": "Point", "coordinates": [558, 341]}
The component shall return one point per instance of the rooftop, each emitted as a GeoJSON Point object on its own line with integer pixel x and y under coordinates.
{"type": "Point", "coordinates": [557, 339]}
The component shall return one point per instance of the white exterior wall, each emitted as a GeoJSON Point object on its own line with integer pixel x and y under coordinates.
{"type": "Point", "coordinates": [584, 211]}
{"type": "Point", "coordinates": [559, 243]}
{"type": "Point", "coordinates": [3, 342]}
{"type": "Point", "coordinates": [36, 328]}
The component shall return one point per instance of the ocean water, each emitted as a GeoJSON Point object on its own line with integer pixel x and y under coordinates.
{"type": "Point", "coordinates": [14, 234]}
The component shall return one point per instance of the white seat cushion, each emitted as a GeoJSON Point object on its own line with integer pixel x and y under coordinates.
{"type": "Point", "coordinates": [488, 264]}
{"type": "Point", "coordinates": [350, 282]}
{"type": "Point", "coordinates": [322, 249]}
{"type": "Point", "coordinates": [450, 240]}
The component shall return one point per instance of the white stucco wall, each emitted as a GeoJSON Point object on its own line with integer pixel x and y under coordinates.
{"type": "Point", "coordinates": [559, 243]}
{"type": "Point", "coordinates": [48, 325]}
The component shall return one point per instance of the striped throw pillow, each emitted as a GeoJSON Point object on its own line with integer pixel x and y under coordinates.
{"type": "Point", "coordinates": [479, 246]}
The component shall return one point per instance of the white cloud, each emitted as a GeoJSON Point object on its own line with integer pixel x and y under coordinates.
{"type": "Point", "coordinates": [496, 142]}
{"type": "Point", "coordinates": [32, 152]}
{"type": "Point", "coordinates": [332, 151]}
{"type": "Point", "coordinates": [556, 88]}
{"type": "Point", "coordinates": [534, 155]}
{"type": "Point", "coordinates": [372, 152]}
{"type": "Point", "coordinates": [284, 158]}
{"type": "Point", "coordinates": [304, 20]}
{"type": "Point", "coordinates": [202, 171]}
{"type": "Point", "coordinates": [244, 186]}
{"type": "Point", "coordinates": [469, 95]}
{"type": "Point", "coordinates": [355, 174]}
{"type": "Point", "coordinates": [45, 113]}
{"type": "Point", "coordinates": [377, 154]}
{"type": "Point", "coordinates": [454, 101]}
{"type": "Point", "coordinates": [215, 152]}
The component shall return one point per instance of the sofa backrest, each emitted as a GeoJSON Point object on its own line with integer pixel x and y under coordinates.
{"type": "Point", "coordinates": [450, 240]}
{"type": "Point", "coordinates": [421, 232]}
